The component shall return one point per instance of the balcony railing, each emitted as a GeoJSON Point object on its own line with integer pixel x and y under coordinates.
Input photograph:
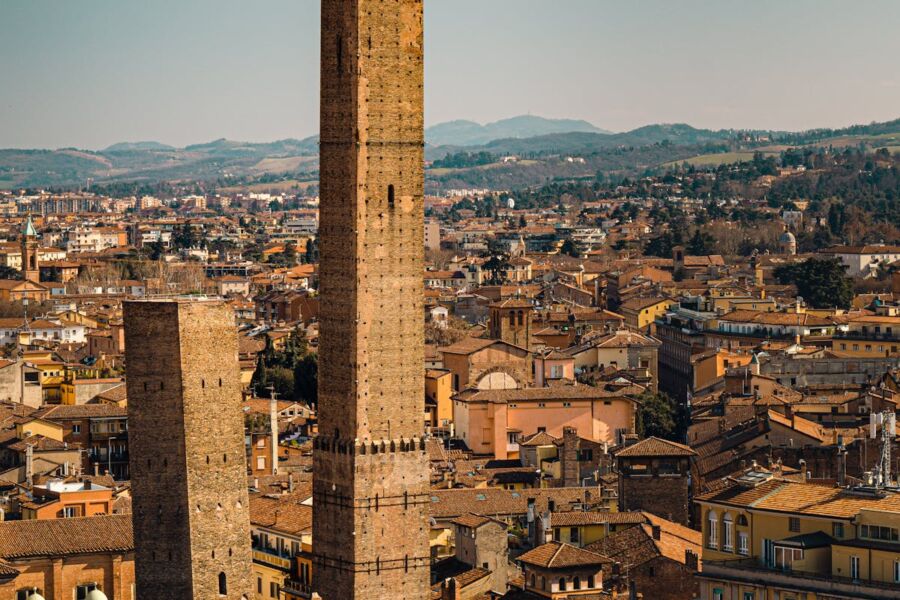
{"type": "Point", "coordinates": [752, 572]}
{"type": "Point", "coordinates": [868, 335]}
{"type": "Point", "coordinates": [272, 558]}
{"type": "Point", "coordinates": [297, 588]}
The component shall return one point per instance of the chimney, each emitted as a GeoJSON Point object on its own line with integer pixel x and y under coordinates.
{"type": "Point", "coordinates": [691, 560]}
{"type": "Point", "coordinates": [657, 532]}
{"type": "Point", "coordinates": [96, 469]}
{"type": "Point", "coordinates": [87, 484]}
{"type": "Point", "coordinates": [256, 483]}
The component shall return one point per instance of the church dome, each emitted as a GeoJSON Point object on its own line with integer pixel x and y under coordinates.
{"type": "Point", "coordinates": [35, 596]}
{"type": "Point", "coordinates": [96, 595]}
{"type": "Point", "coordinates": [787, 238]}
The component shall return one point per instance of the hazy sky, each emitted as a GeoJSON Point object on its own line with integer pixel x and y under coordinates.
{"type": "Point", "coordinates": [89, 73]}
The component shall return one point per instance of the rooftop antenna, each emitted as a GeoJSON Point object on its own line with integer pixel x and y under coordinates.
{"type": "Point", "coordinates": [886, 422]}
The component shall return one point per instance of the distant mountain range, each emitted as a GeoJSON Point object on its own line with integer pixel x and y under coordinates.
{"type": "Point", "coordinates": [469, 133]}
{"type": "Point", "coordinates": [528, 136]}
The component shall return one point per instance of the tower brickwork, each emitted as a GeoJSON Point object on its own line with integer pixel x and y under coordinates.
{"type": "Point", "coordinates": [186, 442]}
{"type": "Point", "coordinates": [31, 270]}
{"type": "Point", "coordinates": [370, 469]}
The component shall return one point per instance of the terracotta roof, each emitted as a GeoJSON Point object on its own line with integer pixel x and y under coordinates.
{"type": "Point", "coordinates": [496, 502]}
{"type": "Point", "coordinates": [556, 555]}
{"type": "Point", "coordinates": [541, 438]}
{"type": "Point", "coordinates": [34, 538]}
{"type": "Point", "coordinates": [284, 513]}
{"type": "Point", "coordinates": [561, 391]}
{"type": "Point", "coordinates": [7, 571]}
{"type": "Point", "coordinates": [577, 518]}
{"type": "Point", "coordinates": [81, 411]}
{"type": "Point", "coordinates": [654, 446]}
{"type": "Point", "coordinates": [636, 545]}
{"type": "Point", "coordinates": [469, 345]}
{"type": "Point", "coordinates": [473, 521]}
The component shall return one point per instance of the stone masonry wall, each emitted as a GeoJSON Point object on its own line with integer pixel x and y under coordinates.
{"type": "Point", "coordinates": [190, 503]}
{"type": "Point", "coordinates": [371, 470]}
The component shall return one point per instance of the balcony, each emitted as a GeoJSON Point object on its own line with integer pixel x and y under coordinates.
{"type": "Point", "coordinates": [297, 588]}
{"type": "Point", "coordinates": [751, 572]}
{"type": "Point", "coordinates": [874, 336]}
{"type": "Point", "coordinates": [273, 559]}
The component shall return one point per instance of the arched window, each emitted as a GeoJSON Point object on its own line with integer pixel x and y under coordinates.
{"type": "Point", "coordinates": [223, 584]}
{"type": "Point", "coordinates": [728, 533]}
{"type": "Point", "coordinates": [712, 530]}
{"type": "Point", "coordinates": [576, 583]}
{"type": "Point", "coordinates": [512, 317]}
{"type": "Point", "coordinates": [591, 584]}
{"type": "Point", "coordinates": [742, 520]}
{"type": "Point", "coordinates": [562, 584]}
{"type": "Point", "coordinates": [391, 196]}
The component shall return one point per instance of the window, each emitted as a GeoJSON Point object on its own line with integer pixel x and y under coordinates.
{"type": "Point", "coordinates": [70, 512]}
{"type": "Point", "coordinates": [743, 544]}
{"type": "Point", "coordinates": [728, 530]}
{"type": "Point", "coordinates": [223, 585]}
{"type": "Point", "coordinates": [274, 590]}
{"type": "Point", "coordinates": [897, 571]}
{"type": "Point", "coordinates": [82, 591]}
{"type": "Point", "coordinates": [573, 535]}
{"type": "Point", "coordinates": [718, 594]}
{"type": "Point", "coordinates": [837, 530]}
{"type": "Point", "coordinates": [391, 195]}
{"type": "Point", "coordinates": [749, 596]}
{"type": "Point", "coordinates": [591, 585]}
{"type": "Point", "coordinates": [576, 583]}
{"type": "Point", "coordinates": [854, 567]}
{"type": "Point", "coordinates": [260, 463]}
{"type": "Point", "coordinates": [712, 533]}
{"type": "Point", "coordinates": [877, 532]}
{"type": "Point", "coordinates": [259, 585]}
{"type": "Point", "coordinates": [785, 557]}
{"type": "Point", "coordinates": [562, 584]}
{"type": "Point", "coordinates": [794, 524]}
{"type": "Point", "coordinates": [25, 593]}
{"type": "Point", "coordinates": [76, 428]}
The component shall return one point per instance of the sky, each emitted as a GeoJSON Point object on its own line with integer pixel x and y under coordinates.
{"type": "Point", "coordinates": [89, 73]}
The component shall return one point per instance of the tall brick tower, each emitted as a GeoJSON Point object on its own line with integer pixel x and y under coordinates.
{"type": "Point", "coordinates": [370, 470]}
{"type": "Point", "coordinates": [186, 440]}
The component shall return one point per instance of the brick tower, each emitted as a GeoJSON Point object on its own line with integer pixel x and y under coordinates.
{"type": "Point", "coordinates": [370, 469]}
{"type": "Point", "coordinates": [186, 440]}
{"type": "Point", "coordinates": [31, 270]}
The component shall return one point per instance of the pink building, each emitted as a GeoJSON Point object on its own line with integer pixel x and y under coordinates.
{"type": "Point", "coordinates": [491, 422]}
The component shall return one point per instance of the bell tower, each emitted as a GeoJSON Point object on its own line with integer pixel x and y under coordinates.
{"type": "Point", "coordinates": [31, 270]}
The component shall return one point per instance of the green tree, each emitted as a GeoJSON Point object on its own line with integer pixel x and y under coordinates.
{"type": "Point", "coordinates": [822, 282]}
{"type": "Point", "coordinates": [306, 379]}
{"type": "Point", "coordinates": [571, 248]}
{"type": "Point", "coordinates": [659, 416]}
{"type": "Point", "coordinates": [701, 244]}
{"type": "Point", "coordinates": [9, 273]}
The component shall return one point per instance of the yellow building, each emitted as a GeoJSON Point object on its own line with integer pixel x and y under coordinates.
{"type": "Point", "coordinates": [438, 392]}
{"type": "Point", "coordinates": [869, 336]}
{"type": "Point", "coordinates": [640, 313]}
{"type": "Point", "coordinates": [765, 537]}
{"type": "Point", "coordinates": [281, 529]}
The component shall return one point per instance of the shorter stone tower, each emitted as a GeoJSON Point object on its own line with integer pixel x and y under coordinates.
{"type": "Point", "coordinates": [31, 270]}
{"type": "Point", "coordinates": [655, 476]}
{"type": "Point", "coordinates": [186, 441]}
{"type": "Point", "coordinates": [510, 321]}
